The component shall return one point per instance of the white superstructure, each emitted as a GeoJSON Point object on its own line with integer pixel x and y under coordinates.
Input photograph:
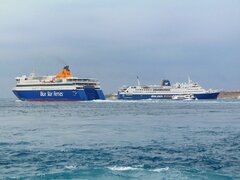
{"type": "Point", "coordinates": [33, 82]}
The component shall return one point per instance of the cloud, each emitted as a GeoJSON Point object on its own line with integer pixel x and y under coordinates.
{"type": "Point", "coordinates": [117, 40]}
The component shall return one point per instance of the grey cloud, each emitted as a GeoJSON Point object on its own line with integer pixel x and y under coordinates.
{"type": "Point", "coordinates": [117, 40]}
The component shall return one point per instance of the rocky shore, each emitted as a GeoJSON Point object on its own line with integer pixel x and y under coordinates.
{"type": "Point", "coordinates": [229, 95]}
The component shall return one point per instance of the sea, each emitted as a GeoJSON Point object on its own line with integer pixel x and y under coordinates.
{"type": "Point", "coordinates": [108, 140]}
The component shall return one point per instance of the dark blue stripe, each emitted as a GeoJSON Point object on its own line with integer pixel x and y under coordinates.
{"type": "Point", "coordinates": [153, 96]}
{"type": "Point", "coordinates": [60, 95]}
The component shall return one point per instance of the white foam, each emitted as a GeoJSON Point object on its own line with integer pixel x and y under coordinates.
{"type": "Point", "coordinates": [120, 168]}
{"type": "Point", "coordinates": [138, 168]}
{"type": "Point", "coordinates": [128, 101]}
{"type": "Point", "coordinates": [160, 169]}
{"type": "Point", "coordinates": [71, 167]}
{"type": "Point", "coordinates": [99, 100]}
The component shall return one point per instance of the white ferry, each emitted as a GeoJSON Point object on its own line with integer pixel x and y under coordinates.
{"type": "Point", "coordinates": [166, 91]}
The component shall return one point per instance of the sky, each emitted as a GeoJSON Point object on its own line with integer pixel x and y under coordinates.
{"type": "Point", "coordinates": [116, 41]}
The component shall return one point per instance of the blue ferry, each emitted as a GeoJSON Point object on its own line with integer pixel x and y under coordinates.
{"type": "Point", "coordinates": [166, 91]}
{"type": "Point", "coordinates": [62, 87]}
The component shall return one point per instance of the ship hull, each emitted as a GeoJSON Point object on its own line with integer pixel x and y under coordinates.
{"type": "Point", "coordinates": [60, 95]}
{"type": "Point", "coordinates": [164, 96]}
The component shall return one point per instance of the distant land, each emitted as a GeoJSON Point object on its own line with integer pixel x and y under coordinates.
{"type": "Point", "coordinates": [222, 95]}
{"type": "Point", "coordinates": [229, 95]}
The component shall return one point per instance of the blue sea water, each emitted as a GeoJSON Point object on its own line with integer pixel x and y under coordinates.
{"type": "Point", "coordinates": [120, 140]}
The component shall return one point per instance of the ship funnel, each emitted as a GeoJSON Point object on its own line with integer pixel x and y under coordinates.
{"type": "Point", "coordinates": [165, 82]}
{"type": "Point", "coordinates": [64, 73]}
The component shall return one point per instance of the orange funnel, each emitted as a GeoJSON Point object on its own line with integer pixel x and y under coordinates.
{"type": "Point", "coordinates": [64, 73]}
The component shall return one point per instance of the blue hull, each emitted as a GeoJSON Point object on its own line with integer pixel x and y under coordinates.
{"type": "Point", "coordinates": [60, 95]}
{"type": "Point", "coordinates": [207, 96]}
{"type": "Point", "coordinates": [153, 96]}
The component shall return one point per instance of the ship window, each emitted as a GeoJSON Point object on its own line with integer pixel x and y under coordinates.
{"type": "Point", "coordinates": [59, 80]}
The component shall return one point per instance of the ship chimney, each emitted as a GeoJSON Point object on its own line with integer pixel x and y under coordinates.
{"type": "Point", "coordinates": [64, 73]}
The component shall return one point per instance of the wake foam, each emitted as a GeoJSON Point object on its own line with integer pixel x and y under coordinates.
{"type": "Point", "coordinates": [128, 168]}
{"type": "Point", "coordinates": [160, 169]}
{"type": "Point", "coordinates": [71, 167]}
{"type": "Point", "coordinates": [119, 168]}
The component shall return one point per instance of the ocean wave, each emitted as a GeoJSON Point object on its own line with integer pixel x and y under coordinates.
{"type": "Point", "coordinates": [131, 101]}
{"type": "Point", "coordinates": [160, 169]}
{"type": "Point", "coordinates": [98, 100]}
{"type": "Point", "coordinates": [71, 167]}
{"type": "Point", "coordinates": [122, 168]}
{"type": "Point", "coordinates": [129, 168]}
{"type": "Point", "coordinates": [18, 100]}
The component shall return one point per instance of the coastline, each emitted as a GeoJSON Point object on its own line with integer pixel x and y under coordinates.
{"type": "Point", "coordinates": [229, 94]}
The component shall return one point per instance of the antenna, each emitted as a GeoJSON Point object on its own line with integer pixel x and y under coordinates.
{"type": "Point", "coordinates": [33, 73]}
{"type": "Point", "coordinates": [61, 61]}
{"type": "Point", "coordinates": [189, 80]}
{"type": "Point", "coordinates": [138, 81]}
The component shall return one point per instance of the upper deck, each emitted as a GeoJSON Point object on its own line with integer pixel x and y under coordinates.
{"type": "Point", "coordinates": [50, 81]}
{"type": "Point", "coordinates": [165, 87]}
{"type": "Point", "coordinates": [63, 78]}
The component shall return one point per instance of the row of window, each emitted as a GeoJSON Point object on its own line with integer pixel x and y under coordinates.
{"type": "Point", "coordinates": [78, 84]}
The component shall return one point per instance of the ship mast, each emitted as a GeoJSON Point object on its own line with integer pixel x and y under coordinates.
{"type": "Point", "coordinates": [138, 81]}
{"type": "Point", "coordinates": [189, 80]}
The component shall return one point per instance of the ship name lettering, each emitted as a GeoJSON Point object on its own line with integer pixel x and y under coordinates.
{"type": "Point", "coordinates": [49, 94]}
{"type": "Point", "coordinates": [58, 93]}
{"type": "Point", "coordinates": [156, 96]}
{"type": "Point", "coordinates": [43, 94]}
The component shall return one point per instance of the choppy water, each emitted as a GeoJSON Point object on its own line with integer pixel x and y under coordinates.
{"type": "Point", "coordinates": [120, 140]}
